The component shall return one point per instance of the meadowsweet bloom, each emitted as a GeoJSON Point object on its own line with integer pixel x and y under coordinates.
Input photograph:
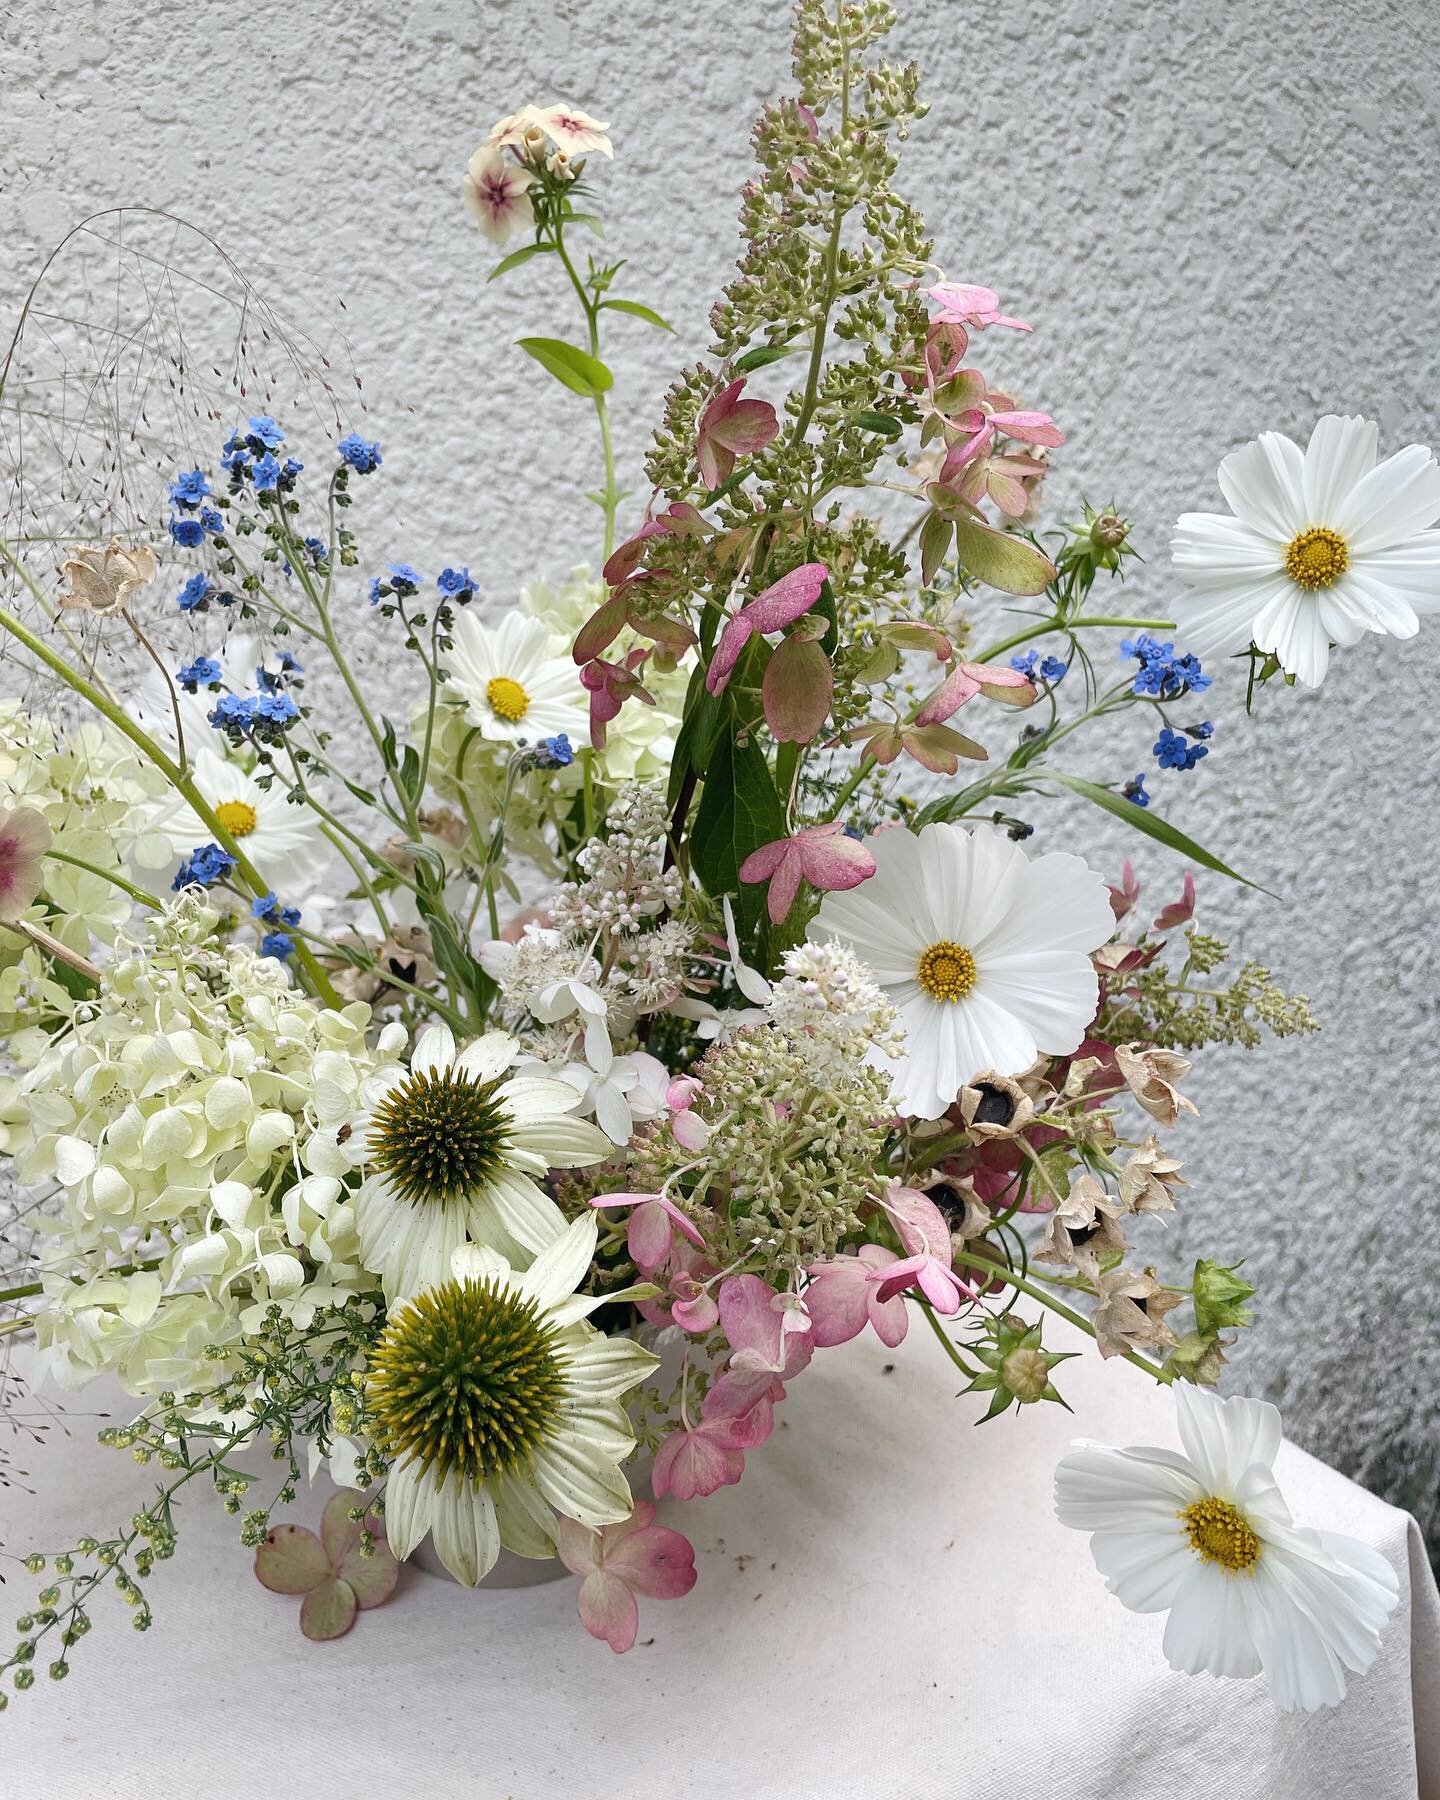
{"type": "Point", "coordinates": [496, 193]}
{"type": "Point", "coordinates": [515, 679]}
{"type": "Point", "coordinates": [457, 1143]}
{"type": "Point", "coordinates": [731, 427]}
{"type": "Point", "coordinates": [1325, 544]}
{"type": "Point", "coordinates": [637, 1556]}
{"type": "Point", "coordinates": [1207, 1537]}
{"type": "Point", "coordinates": [499, 1406]}
{"type": "Point", "coordinates": [104, 581]}
{"type": "Point", "coordinates": [985, 953]}
{"type": "Point", "coordinates": [24, 839]}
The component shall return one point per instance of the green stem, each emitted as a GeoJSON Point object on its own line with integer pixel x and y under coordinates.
{"type": "Point", "coordinates": [950, 1349]}
{"type": "Point", "coordinates": [611, 500]}
{"type": "Point", "coordinates": [113, 876]}
{"type": "Point", "coordinates": [1001, 1272]}
{"type": "Point", "coordinates": [1052, 624]}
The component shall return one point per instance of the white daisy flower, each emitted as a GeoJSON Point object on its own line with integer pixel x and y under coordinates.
{"type": "Point", "coordinates": [984, 953]}
{"type": "Point", "coordinates": [454, 1145]}
{"type": "Point", "coordinates": [1324, 546]}
{"type": "Point", "coordinates": [282, 840]}
{"type": "Point", "coordinates": [1207, 1537]}
{"type": "Point", "coordinates": [517, 681]}
{"type": "Point", "coordinates": [499, 1406]}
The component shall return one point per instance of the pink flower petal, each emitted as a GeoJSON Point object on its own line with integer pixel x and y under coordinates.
{"type": "Point", "coordinates": [696, 1462]}
{"type": "Point", "coordinates": [608, 1611]}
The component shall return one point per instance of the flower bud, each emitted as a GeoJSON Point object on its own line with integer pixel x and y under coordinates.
{"type": "Point", "coordinates": [1026, 1374]}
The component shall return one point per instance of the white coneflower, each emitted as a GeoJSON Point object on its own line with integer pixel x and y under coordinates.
{"type": "Point", "coordinates": [455, 1145]}
{"type": "Point", "coordinates": [497, 1403]}
{"type": "Point", "coordinates": [984, 953]}
{"type": "Point", "coordinates": [1324, 546]}
{"type": "Point", "coordinates": [1208, 1538]}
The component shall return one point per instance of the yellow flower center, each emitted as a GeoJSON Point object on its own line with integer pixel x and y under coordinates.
{"type": "Point", "coordinates": [1218, 1532]}
{"type": "Point", "coordinates": [507, 698]}
{"type": "Point", "coordinates": [1316, 558]}
{"type": "Point", "coordinates": [237, 816]}
{"type": "Point", "coordinates": [947, 971]}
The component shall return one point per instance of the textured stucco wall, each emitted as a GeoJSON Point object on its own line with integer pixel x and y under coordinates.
{"type": "Point", "coordinates": [1220, 217]}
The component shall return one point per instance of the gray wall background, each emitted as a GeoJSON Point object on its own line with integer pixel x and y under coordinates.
{"type": "Point", "coordinates": [1220, 219]}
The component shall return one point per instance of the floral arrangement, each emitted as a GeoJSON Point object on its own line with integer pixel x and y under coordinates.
{"type": "Point", "coordinates": [503, 1119]}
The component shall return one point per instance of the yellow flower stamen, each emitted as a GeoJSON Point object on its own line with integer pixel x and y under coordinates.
{"type": "Point", "coordinates": [1316, 558]}
{"type": "Point", "coordinates": [507, 698]}
{"type": "Point", "coordinates": [1219, 1534]}
{"type": "Point", "coordinates": [238, 817]}
{"type": "Point", "coordinates": [947, 971]}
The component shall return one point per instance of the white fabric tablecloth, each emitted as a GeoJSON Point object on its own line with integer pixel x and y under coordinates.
{"type": "Point", "coordinates": [886, 1607]}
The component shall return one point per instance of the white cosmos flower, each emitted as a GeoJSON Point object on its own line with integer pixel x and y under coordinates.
{"type": "Point", "coordinates": [1324, 546]}
{"type": "Point", "coordinates": [984, 953]}
{"type": "Point", "coordinates": [281, 839]}
{"type": "Point", "coordinates": [517, 680]}
{"type": "Point", "coordinates": [455, 1145]}
{"type": "Point", "coordinates": [500, 1406]}
{"type": "Point", "coordinates": [1207, 1537]}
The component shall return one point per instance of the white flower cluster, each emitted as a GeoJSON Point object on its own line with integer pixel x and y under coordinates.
{"type": "Point", "coordinates": [626, 882]}
{"type": "Point", "coordinates": [828, 999]}
{"type": "Point", "coordinates": [190, 1116]}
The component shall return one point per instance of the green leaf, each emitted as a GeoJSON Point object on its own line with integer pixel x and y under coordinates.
{"type": "Point", "coordinates": [1001, 559]}
{"type": "Point", "coordinates": [761, 355]}
{"type": "Point", "coordinates": [1144, 820]}
{"type": "Point", "coordinates": [636, 310]}
{"type": "Point", "coordinates": [1219, 1295]}
{"type": "Point", "coordinates": [581, 372]}
{"type": "Point", "coordinates": [515, 258]}
{"type": "Point", "coordinates": [878, 422]}
{"type": "Point", "coordinates": [591, 221]}
{"type": "Point", "coordinates": [739, 811]}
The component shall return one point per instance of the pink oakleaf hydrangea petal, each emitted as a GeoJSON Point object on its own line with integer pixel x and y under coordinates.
{"type": "Point", "coordinates": [328, 1611]}
{"type": "Point", "coordinates": [292, 1560]}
